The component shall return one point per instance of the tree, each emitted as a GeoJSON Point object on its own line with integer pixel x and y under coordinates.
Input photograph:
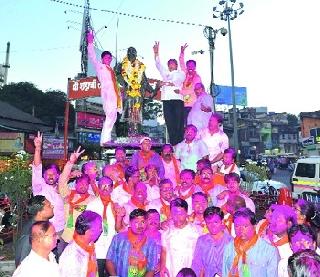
{"type": "Point", "coordinates": [45, 105]}
{"type": "Point", "coordinates": [152, 109]}
{"type": "Point", "coordinates": [292, 120]}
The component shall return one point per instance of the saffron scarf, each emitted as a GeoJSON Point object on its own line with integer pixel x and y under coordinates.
{"type": "Point", "coordinates": [189, 194]}
{"type": "Point", "coordinates": [279, 242]}
{"type": "Point", "coordinates": [228, 222]}
{"type": "Point", "coordinates": [105, 201]}
{"type": "Point", "coordinates": [73, 205]}
{"type": "Point", "coordinates": [241, 247]}
{"type": "Point", "coordinates": [137, 260]}
{"type": "Point", "coordinates": [176, 168]}
{"type": "Point", "coordinates": [164, 210]}
{"type": "Point", "coordinates": [92, 262]}
{"type": "Point", "coordinates": [137, 204]}
{"type": "Point", "coordinates": [115, 87]}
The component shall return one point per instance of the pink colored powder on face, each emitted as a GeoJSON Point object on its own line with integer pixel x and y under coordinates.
{"type": "Point", "coordinates": [301, 241]}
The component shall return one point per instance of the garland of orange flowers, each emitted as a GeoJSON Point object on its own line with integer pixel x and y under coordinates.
{"type": "Point", "coordinates": [132, 73]}
{"type": "Point", "coordinates": [144, 158]}
{"type": "Point", "coordinates": [189, 194]}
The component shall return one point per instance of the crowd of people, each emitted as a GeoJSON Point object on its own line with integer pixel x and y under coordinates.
{"type": "Point", "coordinates": [178, 213]}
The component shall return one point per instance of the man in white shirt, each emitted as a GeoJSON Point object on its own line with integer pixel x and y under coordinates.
{"type": "Point", "coordinates": [111, 100]}
{"type": "Point", "coordinates": [171, 164]}
{"type": "Point", "coordinates": [191, 149]}
{"type": "Point", "coordinates": [201, 110]}
{"type": "Point", "coordinates": [79, 257]}
{"type": "Point", "coordinates": [40, 261]}
{"type": "Point", "coordinates": [178, 241]}
{"type": "Point", "coordinates": [173, 107]}
{"type": "Point", "coordinates": [215, 139]}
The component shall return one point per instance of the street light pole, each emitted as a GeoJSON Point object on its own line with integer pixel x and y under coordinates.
{"type": "Point", "coordinates": [235, 121]}
{"type": "Point", "coordinates": [230, 13]}
{"type": "Point", "coordinates": [211, 35]}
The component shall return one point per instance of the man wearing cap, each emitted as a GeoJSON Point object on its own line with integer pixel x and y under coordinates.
{"type": "Point", "coordinates": [146, 156]}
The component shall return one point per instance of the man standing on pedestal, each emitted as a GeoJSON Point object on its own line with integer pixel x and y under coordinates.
{"type": "Point", "coordinates": [173, 107]}
{"type": "Point", "coordinates": [111, 99]}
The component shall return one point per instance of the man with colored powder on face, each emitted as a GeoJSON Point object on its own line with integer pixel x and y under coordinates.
{"type": "Point", "coordinates": [79, 257]}
{"type": "Point", "coordinates": [248, 255]}
{"type": "Point", "coordinates": [202, 108]}
{"type": "Point", "coordinates": [301, 237]}
{"type": "Point", "coordinates": [186, 187]}
{"type": "Point", "coordinates": [173, 108]}
{"type": "Point", "coordinates": [76, 201]}
{"type": "Point", "coordinates": [111, 99]}
{"type": "Point", "coordinates": [281, 219]}
{"type": "Point", "coordinates": [162, 205]}
{"type": "Point", "coordinates": [178, 241]}
{"type": "Point", "coordinates": [192, 78]}
{"type": "Point", "coordinates": [111, 221]}
{"type": "Point", "coordinates": [208, 254]}
{"type": "Point", "coordinates": [171, 164]}
{"type": "Point", "coordinates": [191, 149]}
{"type": "Point", "coordinates": [144, 157]}
{"type": "Point", "coordinates": [132, 253]}
{"type": "Point", "coordinates": [47, 185]}
{"type": "Point", "coordinates": [138, 200]}
{"type": "Point", "coordinates": [199, 204]}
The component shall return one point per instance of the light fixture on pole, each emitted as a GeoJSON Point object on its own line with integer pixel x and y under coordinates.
{"type": "Point", "coordinates": [211, 35]}
{"type": "Point", "coordinates": [230, 11]}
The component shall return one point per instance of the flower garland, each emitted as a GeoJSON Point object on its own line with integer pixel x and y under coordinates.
{"type": "Point", "coordinates": [132, 73]}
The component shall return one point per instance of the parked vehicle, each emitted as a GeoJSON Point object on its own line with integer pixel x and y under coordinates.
{"type": "Point", "coordinates": [306, 176]}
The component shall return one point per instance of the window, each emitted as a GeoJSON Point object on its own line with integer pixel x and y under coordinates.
{"type": "Point", "coordinates": [306, 170]}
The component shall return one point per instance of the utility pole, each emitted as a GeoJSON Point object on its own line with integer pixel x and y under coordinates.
{"type": "Point", "coordinates": [6, 65]}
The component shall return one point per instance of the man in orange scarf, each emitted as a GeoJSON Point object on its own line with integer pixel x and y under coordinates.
{"type": "Point", "coordinates": [79, 258]}
{"type": "Point", "coordinates": [171, 164]}
{"type": "Point", "coordinates": [111, 99]}
{"type": "Point", "coordinates": [281, 219]}
{"type": "Point", "coordinates": [248, 255]}
{"type": "Point", "coordinates": [162, 205]}
{"type": "Point", "coordinates": [132, 253]}
{"type": "Point", "coordinates": [112, 215]}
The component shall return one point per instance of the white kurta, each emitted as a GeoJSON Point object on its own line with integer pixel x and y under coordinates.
{"type": "Point", "coordinates": [179, 245]}
{"type": "Point", "coordinates": [37, 266]}
{"type": "Point", "coordinates": [108, 95]}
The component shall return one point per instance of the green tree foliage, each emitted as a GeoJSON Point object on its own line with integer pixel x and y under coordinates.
{"type": "Point", "coordinates": [15, 182]}
{"type": "Point", "coordinates": [46, 105]}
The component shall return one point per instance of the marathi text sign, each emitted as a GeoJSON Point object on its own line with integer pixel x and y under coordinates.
{"type": "Point", "coordinates": [224, 95]}
{"type": "Point", "coordinates": [11, 142]}
{"type": "Point", "coordinates": [53, 148]}
{"type": "Point", "coordinates": [87, 120]}
{"type": "Point", "coordinates": [83, 88]}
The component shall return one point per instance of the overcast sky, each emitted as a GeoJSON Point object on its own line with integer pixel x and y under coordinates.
{"type": "Point", "coordinates": [275, 43]}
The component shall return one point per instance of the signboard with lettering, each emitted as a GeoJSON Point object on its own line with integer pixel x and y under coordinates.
{"type": "Point", "coordinates": [83, 88]}
{"type": "Point", "coordinates": [224, 95]}
{"type": "Point", "coordinates": [11, 142]}
{"type": "Point", "coordinates": [88, 137]}
{"type": "Point", "coordinates": [52, 148]}
{"type": "Point", "coordinates": [88, 120]}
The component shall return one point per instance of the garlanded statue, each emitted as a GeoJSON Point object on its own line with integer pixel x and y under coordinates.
{"type": "Point", "coordinates": [132, 78]}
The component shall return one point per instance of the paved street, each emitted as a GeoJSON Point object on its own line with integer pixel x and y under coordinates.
{"type": "Point", "coordinates": [283, 176]}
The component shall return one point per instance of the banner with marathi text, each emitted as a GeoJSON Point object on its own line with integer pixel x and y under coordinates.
{"type": "Point", "coordinates": [83, 88]}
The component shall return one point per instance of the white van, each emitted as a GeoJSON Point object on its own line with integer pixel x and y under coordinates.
{"type": "Point", "coordinates": [306, 176]}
